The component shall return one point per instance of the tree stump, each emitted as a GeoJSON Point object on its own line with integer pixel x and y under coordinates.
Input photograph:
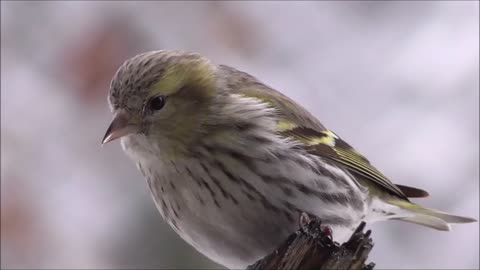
{"type": "Point", "coordinates": [311, 247]}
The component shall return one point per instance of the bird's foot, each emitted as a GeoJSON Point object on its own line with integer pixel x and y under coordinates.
{"type": "Point", "coordinates": [327, 231]}
{"type": "Point", "coordinates": [314, 226]}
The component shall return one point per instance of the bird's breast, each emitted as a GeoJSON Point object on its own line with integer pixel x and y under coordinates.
{"type": "Point", "coordinates": [236, 208]}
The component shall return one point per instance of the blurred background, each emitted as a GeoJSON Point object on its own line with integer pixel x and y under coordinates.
{"type": "Point", "coordinates": [398, 80]}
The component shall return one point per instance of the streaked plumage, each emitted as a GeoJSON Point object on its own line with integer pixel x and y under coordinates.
{"type": "Point", "coordinates": [231, 162]}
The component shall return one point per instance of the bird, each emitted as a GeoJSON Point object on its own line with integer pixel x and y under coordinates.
{"type": "Point", "coordinates": [232, 163]}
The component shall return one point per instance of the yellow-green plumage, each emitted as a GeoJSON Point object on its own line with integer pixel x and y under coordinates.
{"type": "Point", "coordinates": [232, 162]}
{"type": "Point", "coordinates": [322, 142]}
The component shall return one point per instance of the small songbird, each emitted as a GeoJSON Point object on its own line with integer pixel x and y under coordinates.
{"type": "Point", "coordinates": [231, 162]}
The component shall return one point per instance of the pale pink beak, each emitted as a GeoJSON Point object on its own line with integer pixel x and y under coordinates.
{"type": "Point", "coordinates": [119, 127]}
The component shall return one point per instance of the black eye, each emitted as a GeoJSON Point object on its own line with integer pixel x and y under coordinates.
{"type": "Point", "coordinates": [156, 103]}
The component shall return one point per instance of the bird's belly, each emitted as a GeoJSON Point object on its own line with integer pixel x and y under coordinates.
{"type": "Point", "coordinates": [236, 216]}
{"type": "Point", "coordinates": [231, 235]}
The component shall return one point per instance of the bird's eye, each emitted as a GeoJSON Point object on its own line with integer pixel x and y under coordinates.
{"type": "Point", "coordinates": [156, 103]}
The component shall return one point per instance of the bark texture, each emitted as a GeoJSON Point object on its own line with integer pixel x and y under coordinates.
{"type": "Point", "coordinates": [311, 247]}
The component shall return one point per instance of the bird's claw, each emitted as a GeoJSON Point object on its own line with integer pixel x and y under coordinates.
{"type": "Point", "coordinates": [327, 231]}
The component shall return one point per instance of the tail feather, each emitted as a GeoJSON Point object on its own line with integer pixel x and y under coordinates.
{"type": "Point", "coordinates": [428, 221]}
{"type": "Point", "coordinates": [429, 217]}
{"type": "Point", "coordinates": [449, 217]}
{"type": "Point", "coordinates": [412, 192]}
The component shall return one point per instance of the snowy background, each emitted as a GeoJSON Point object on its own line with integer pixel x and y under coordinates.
{"type": "Point", "coordinates": [398, 80]}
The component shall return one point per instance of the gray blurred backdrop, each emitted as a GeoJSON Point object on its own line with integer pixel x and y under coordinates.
{"type": "Point", "coordinates": [398, 80]}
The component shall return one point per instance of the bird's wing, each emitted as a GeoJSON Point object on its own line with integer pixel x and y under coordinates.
{"type": "Point", "coordinates": [328, 145]}
{"type": "Point", "coordinates": [297, 123]}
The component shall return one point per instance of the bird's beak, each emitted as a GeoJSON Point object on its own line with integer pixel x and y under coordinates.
{"type": "Point", "coordinates": [119, 127]}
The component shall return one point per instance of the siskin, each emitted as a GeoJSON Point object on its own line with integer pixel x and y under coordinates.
{"type": "Point", "coordinates": [231, 162]}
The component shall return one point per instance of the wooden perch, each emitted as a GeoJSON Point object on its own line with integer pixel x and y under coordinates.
{"type": "Point", "coordinates": [311, 247]}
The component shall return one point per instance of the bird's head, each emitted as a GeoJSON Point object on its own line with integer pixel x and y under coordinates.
{"type": "Point", "coordinates": [163, 96]}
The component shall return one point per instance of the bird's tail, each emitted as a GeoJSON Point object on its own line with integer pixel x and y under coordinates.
{"type": "Point", "coordinates": [428, 217]}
